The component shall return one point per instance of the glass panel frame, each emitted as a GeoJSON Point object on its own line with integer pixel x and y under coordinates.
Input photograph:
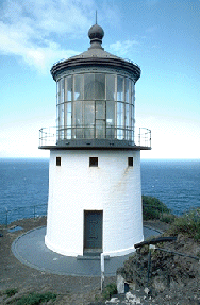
{"type": "Point", "coordinates": [120, 86]}
{"type": "Point", "coordinates": [68, 88]}
{"type": "Point", "coordinates": [89, 86]}
{"type": "Point", "coordinates": [99, 86]}
{"type": "Point", "coordinates": [110, 119]}
{"type": "Point", "coordinates": [110, 87]}
{"type": "Point", "coordinates": [100, 110]}
{"type": "Point", "coordinates": [108, 104]}
{"type": "Point", "coordinates": [100, 129]}
{"type": "Point", "coordinates": [89, 119]}
{"type": "Point", "coordinates": [126, 89]}
{"type": "Point", "coordinates": [78, 87]}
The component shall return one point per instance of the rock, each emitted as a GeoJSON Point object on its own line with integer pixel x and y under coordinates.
{"type": "Point", "coordinates": [147, 290]}
{"type": "Point", "coordinates": [120, 284]}
{"type": "Point", "coordinates": [159, 283]}
{"type": "Point", "coordinates": [114, 300]}
{"type": "Point", "coordinates": [132, 299]}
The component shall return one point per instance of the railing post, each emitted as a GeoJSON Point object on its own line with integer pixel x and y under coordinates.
{"type": "Point", "coordinates": [102, 272]}
{"type": "Point", "coordinates": [34, 211]}
{"type": "Point", "coordinates": [149, 265]}
{"type": "Point", "coordinates": [139, 137]}
{"type": "Point", "coordinates": [150, 137]}
{"type": "Point", "coordinates": [6, 220]}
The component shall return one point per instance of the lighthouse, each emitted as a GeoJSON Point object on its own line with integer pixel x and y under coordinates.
{"type": "Point", "coordinates": [94, 203]}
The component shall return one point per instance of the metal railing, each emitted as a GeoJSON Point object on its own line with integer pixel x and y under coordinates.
{"type": "Point", "coordinates": [144, 137]}
{"type": "Point", "coordinates": [50, 136]}
{"type": "Point", "coordinates": [66, 59]}
{"type": "Point", "coordinates": [9, 215]}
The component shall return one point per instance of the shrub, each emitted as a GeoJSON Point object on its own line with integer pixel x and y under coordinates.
{"type": "Point", "coordinates": [36, 298]}
{"type": "Point", "coordinates": [153, 208]}
{"type": "Point", "coordinates": [168, 218]}
{"type": "Point", "coordinates": [11, 291]}
{"type": "Point", "coordinates": [109, 290]}
{"type": "Point", "coordinates": [188, 224]}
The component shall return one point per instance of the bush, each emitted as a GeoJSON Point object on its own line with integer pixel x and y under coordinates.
{"type": "Point", "coordinates": [11, 291]}
{"type": "Point", "coordinates": [153, 208]}
{"type": "Point", "coordinates": [188, 224]}
{"type": "Point", "coordinates": [36, 298]}
{"type": "Point", "coordinates": [168, 218]}
{"type": "Point", "coordinates": [109, 290]}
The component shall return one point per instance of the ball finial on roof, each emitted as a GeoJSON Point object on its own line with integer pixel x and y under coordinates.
{"type": "Point", "coordinates": [95, 34]}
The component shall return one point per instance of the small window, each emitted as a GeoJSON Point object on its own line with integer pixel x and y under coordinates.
{"type": "Point", "coordinates": [130, 161]}
{"type": "Point", "coordinates": [93, 161]}
{"type": "Point", "coordinates": [58, 161]}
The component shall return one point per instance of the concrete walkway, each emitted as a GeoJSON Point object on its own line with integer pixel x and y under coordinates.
{"type": "Point", "coordinates": [30, 249]}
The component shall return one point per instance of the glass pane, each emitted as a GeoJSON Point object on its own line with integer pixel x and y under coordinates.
{"type": "Point", "coordinates": [119, 134]}
{"type": "Point", "coordinates": [132, 122]}
{"type": "Point", "coordinates": [120, 120]}
{"type": "Point", "coordinates": [110, 87]}
{"type": "Point", "coordinates": [58, 86]}
{"type": "Point", "coordinates": [132, 112]}
{"type": "Point", "coordinates": [100, 110]}
{"type": "Point", "coordinates": [68, 121]}
{"type": "Point", "coordinates": [78, 87]}
{"type": "Point", "coordinates": [77, 120]}
{"type": "Point", "coordinates": [62, 90]}
{"type": "Point", "coordinates": [132, 92]}
{"type": "Point", "coordinates": [100, 129]}
{"type": "Point", "coordinates": [129, 126]}
{"type": "Point", "coordinates": [68, 88]}
{"type": "Point", "coordinates": [126, 89]}
{"type": "Point", "coordinates": [119, 88]}
{"type": "Point", "coordinates": [127, 115]}
{"type": "Point", "coordinates": [110, 119]}
{"type": "Point", "coordinates": [100, 86]}
{"type": "Point", "coordinates": [69, 133]}
{"type": "Point", "coordinates": [62, 113]}
{"type": "Point", "coordinates": [120, 114]}
{"type": "Point", "coordinates": [69, 113]}
{"type": "Point", "coordinates": [78, 113]}
{"type": "Point", "coordinates": [110, 113]}
{"type": "Point", "coordinates": [89, 86]}
{"type": "Point", "coordinates": [57, 116]}
{"type": "Point", "coordinates": [89, 119]}
{"type": "Point", "coordinates": [58, 93]}
{"type": "Point", "coordinates": [89, 113]}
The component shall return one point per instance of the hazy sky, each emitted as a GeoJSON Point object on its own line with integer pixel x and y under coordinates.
{"type": "Point", "coordinates": [161, 36]}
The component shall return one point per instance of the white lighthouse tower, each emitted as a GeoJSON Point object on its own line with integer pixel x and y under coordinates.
{"type": "Point", "coordinates": [94, 172]}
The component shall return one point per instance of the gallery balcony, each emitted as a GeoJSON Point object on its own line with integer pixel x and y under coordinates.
{"type": "Point", "coordinates": [84, 137]}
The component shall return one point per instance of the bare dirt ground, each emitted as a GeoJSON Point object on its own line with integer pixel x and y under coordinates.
{"type": "Point", "coordinates": [13, 274]}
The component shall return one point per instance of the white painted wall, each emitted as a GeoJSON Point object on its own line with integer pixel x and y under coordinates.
{"type": "Point", "coordinates": [112, 187]}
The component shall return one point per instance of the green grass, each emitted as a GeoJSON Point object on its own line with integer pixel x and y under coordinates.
{"type": "Point", "coordinates": [11, 291]}
{"type": "Point", "coordinates": [188, 225]}
{"type": "Point", "coordinates": [109, 290]}
{"type": "Point", "coordinates": [153, 208]}
{"type": "Point", "coordinates": [36, 298]}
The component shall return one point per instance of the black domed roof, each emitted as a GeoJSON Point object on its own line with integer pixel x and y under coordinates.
{"type": "Point", "coordinates": [95, 56]}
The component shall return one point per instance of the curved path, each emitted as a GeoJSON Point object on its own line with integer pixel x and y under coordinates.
{"type": "Point", "coordinates": [30, 249]}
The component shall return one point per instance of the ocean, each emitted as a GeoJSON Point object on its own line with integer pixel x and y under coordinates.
{"type": "Point", "coordinates": [24, 185]}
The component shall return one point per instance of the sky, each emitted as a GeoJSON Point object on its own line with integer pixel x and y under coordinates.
{"type": "Point", "coordinates": [161, 36]}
